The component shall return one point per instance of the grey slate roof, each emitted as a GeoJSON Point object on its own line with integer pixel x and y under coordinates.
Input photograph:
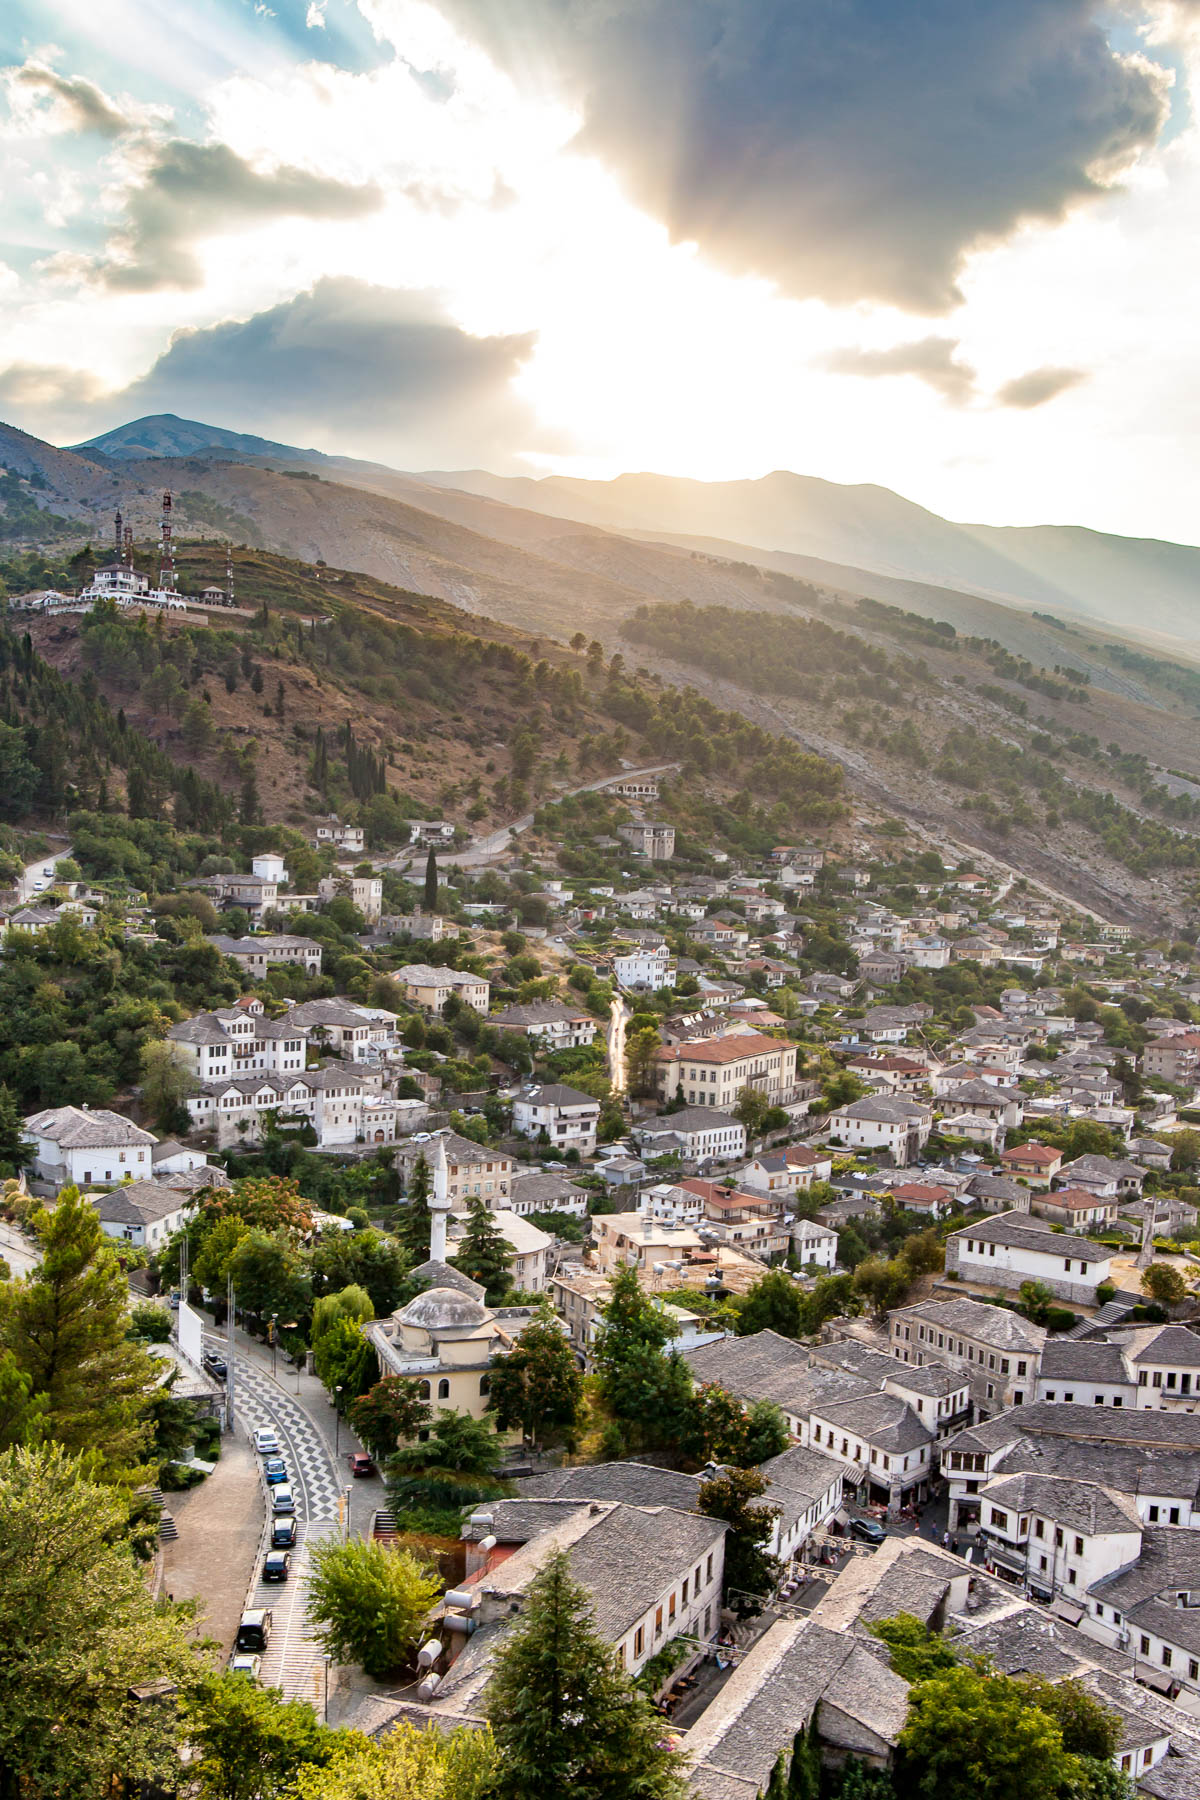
{"type": "Point", "coordinates": [1144, 1592]}
{"type": "Point", "coordinates": [798, 1478]}
{"type": "Point", "coordinates": [885, 1421]}
{"type": "Point", "coordinates": [1019, 1232]}
{"type": "Point", "coordinates": [1084, 1359]}
{"type": "Point", "coordinates": [766, 1366]}
{"type": "Point", "coordinates": [84, 1128]}
{"type": "Point", "coordinates": [638, 1484]}
{"type": "Point", "coordinates": [689, 1118]}
{"type": "Point", "coordinates": [433, 1273]}
{"type": "Point", "coordinates": [139, 1203]}
{"type": "Point", "coordinates": [1171, 1344]}
{"type": "Point", "coordinates": [1083, 1506]}
{"type": "Point", "coordinates": [995, 1326]}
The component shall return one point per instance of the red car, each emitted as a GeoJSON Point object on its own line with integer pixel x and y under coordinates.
{"type": "Point", "coordinates": [360, 1463]}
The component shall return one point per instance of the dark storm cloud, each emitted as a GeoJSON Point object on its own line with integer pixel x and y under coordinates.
{"type": "Point", "coordinates": [847, 148]}
{"type": "Point", "coordinates": [80, 103]}
{"type": "Point", "coordinates": [1038, 386]}
{"type": "Point", "coordinates": [347, 360]}
{"type": "Point", "coordinates": [188, 190]}
{"type": "Point", "coordinates": [932, 360]}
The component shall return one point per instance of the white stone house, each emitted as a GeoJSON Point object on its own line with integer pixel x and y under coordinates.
{"type": "Point", "coordinates": [255, 955]}
{"type": "Point", "coordinates": [1055, 1536]}
{"type": "Point", "coordinates": [84, 1146]}
{"type": "Point", "coordinates": [568, 1117]}
{"type": "Point", "coordinates": [645, 969]}
{"type": "Point", "coordinates": [900, 1127]}
{"type": "Point", "coordinates": [700, 1135]}
{"type": "Point", "coordinates": [813, 1244]}
{"type": "Point", "coordinates": [806, 1488]}
{"type": "Point", "coordinates": [143, 1213]}
{"type": "Point", "coordinates": [1009, 1248]}
{"type": "Point", "coordinates": [237, 1040]}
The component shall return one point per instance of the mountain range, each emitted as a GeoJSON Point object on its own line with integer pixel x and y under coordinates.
{"type": "Point", "coordinates": [1122, 583]}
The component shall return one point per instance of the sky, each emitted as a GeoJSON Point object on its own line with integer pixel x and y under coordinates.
{"type": "Point", "coordinates": [946, 246]}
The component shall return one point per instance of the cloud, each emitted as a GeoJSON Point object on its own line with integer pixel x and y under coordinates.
{"type": "Point", "coordinates": [184, 191]}
{"type": "Point", "coordinates": [931, 360]}
{"type": "Point", "coordinates": [853, 150]}
{"type": "Point", "coordinates": [1038, 386]}
{"type": "Point", "coordinates": [41, 100]}
{"type": "Point", "coordinates": [314, 18]}
{"type": "Point", "coordinates": [350, 363]}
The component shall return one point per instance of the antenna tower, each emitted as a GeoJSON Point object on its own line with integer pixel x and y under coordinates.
{"type": "Point", "coordinates": [229, 574]}
{"type": "Point", "coordinates": [118, 540]}
{"type": "Point", "coordinates": [166, 573]}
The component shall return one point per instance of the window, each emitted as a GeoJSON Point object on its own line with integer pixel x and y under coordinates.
{"type": "Point", "coordinates": [658, 1621]}
{"type": "Point", "coordinates": [1166, 1657]}
{"type": "Point", "coordinates": [639, 1640]}
{"type": "Point", "coordinates": [708, 1570]}
{"type": "Point", "coordinates": [443, 1389]}
{"type": "Point", "coordinates": [1079, 1546]}
{"type": "Point", "coordinates": [1039, 1529]}
{"type": "Point", "coordinates": [1145, 1646]}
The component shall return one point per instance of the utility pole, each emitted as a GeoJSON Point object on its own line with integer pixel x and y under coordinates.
{"type": "Point", "coordinates": [231, 1348]}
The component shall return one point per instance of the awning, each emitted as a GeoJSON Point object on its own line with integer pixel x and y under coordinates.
{"type": "Point", "coordinates": [1067, 1609]}
{"type": "Point", "coordinates": [1161, 1680]}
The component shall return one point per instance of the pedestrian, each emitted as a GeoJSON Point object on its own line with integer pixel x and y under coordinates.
{"type": "Point", "coordinates": [954, 1546]}
{"type": "Point", "coordinates": [945, 1540]}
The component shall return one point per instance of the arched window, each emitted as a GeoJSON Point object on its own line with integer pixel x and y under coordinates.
{"type": "Point", "coordinates": [443, 1389]}
{"type": "Point", "coordinates": [424, 1390]}
{"type": "Point", "coordinates": [485, 1384]}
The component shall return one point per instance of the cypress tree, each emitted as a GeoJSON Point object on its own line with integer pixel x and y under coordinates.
{"type": "Point", "coordinates": [565, 1717]}
{"type": "Point", "coordinates": [431, 883]}
{"type": "Point", "coordinates": [413, 1229]}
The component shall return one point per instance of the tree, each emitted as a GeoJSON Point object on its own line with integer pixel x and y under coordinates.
{"type": "Point", "coordinates": [916, 1652]}
{"type": "Point", "coordinates": [369, 1602]}
{"type": "Point", "coordinates": [484, 1253]}
{"type": "Point", "coordinates": [455, 1465]}
{"type": "Point", "coordinates": [640, 1049]}
{"type": "Point", "coordinates": [415, 1218]}
{"type": "Point", "coordinates": [410, 1763]}
{"type": "Point", "coordinates": [165, 1086]}
{"type": "Point", "coordinates": [882, 1284]}
{"type": "Point", "coordinates": [1089, 1728]}
{"type": "Point", "coordinates": [1036, 1300]}
{"type": "Point", "coordinates": [15, 1152]}
{"type": "Point", "coordinates": [750, 1569]}
{"type": "Point", "coordinates": [251, 1743]}
{"type": "Point", "coordinates": [1164, 1284]}
{"type": "Point", "coordinates": [270, 1275]}
{"type": "Point", "coordinates": [537, 1388]}
{"type": "Point", "coordinates": [343, 1359]}
{"type": "Point", "coordinates": [366, 1259]}
{"type": "Point", "coordinates": [65, 1327]}
{"type": "Point", "coordinates": [647, 1390]}
{"type": "Point", "coordinates": [772, 1303]}
{"type": "Point", "coordinates": [431, 883]}
{"type": "Point", "coordinates": [563, 1713]}
{"type": "Point", "coordinates": [972, 1735]}
{"type": "Point", "coordinates": [80, 1628]}
{"type": "Point", "coordinates": [751, 1109]}
{"type": "Point", "coordinates": [767, 1432]}
{"type": "Point", "coordinates": [391, 1410]}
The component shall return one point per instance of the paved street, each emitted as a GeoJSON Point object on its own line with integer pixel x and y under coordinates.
{"type": "Point", "coordinates": [16, 1250]}
{"type": "Point", "coordinates": [304, 1423]}
{"type": "Point", "coordinates": [35, 872]}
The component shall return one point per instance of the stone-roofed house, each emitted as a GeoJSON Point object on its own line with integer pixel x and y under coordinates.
{"type": "Point", "coordinates": [430, 988]}
{"type": "Point", "coordinates": [797, 1668]}
{"type": "Point", "coordinates": [700, 1134]}
{"type": "Point", "coordinates": [1086, 1372]}
{"type": "Point", "coordinates": [1166, 1362]}
{"type": "Point", "coordinates": [1075, 1207]}
{"type": "Point", "coordinates": [1003, 1104]}
{"type": "Point", "coordinates": [1102, 1175]}
{"type": "Point", "coordinates": [255, 955]}
{"type": "Point", "coordinates": [1056, 1537]}
{"type": "Point", "coordinates": [547, 1192]}
{"type": "Point", "coordinates": [766, 1366]}
{"type": "Point", "coordinates": [996, 1193]}
{"type": "Point", "coordinates": [885, 1449]}
{"type": "Point", "coordinates": [1151, 1610]}
{"type": "Point", "coordinates": [806, 1489]}
{"type": "Point", "coordinates": [901, 1127]}
{"type": "Point", "coordinates": [143, 1213]}
{"type": "Point", "coordinates": [472, 1169]}
{"type": "Point", "coordinates": [84, 1146]}
{"type": "Point", "coordinates": [554, 1025]}
{"type": "Point", "coordinates": [1010, 1248]}
{"type": "Point", "coordinates": [568, 1117]}
{"type": "Point", "coordinates": [237, 1041]}
{"type": "Point", "coordinates": [998, 1350]}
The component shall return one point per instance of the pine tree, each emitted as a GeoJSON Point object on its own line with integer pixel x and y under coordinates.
{"type": "Point", "coordinates": [484, 1253]}
{"type": "Point", "coordinates": [415, 1220]}
{"type": "Point", "coordinates": [431, 883]}
{"type": "Point", "coordinates": [14, 1151]}
{"type": "Point", "coordinates": [647, 1389]}
{"type": "Point", "coordinates": [564, 1715]}
{"type": "Point", "coordinates": [65, 1327]}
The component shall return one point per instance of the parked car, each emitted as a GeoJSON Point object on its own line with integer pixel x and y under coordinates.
{"type": "Point", "coordinates": [254, 1631]}
{"type": "Point", "coordinates": [39, 887]}
{"type": "Point", "coordinates": [282, 1499]}
{"type": "Point", "coordinates": [360, 1463]}
{"type": "Point", "coordinates": [869, 1530]}
{"type": "Point", "coordinates": [216, 1365]}
{"type": "Point", "coordinates": [48, 871]}
{"type": "Point", "coordinates": [275, 1565]}
{"type": "Point", "coordinates": [283, 1534]}
{"type": "Point", "coordinates": [266, 1443]}
{"type": "Point", "coordinates": [274, 1471]}
{"type": "Point", "coordinates": [175, 1299]}
{"type": "Point", "coordinates": [246, 1665]}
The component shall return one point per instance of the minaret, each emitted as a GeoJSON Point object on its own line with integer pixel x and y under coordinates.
{"type": "Point", "coordinates": [439, 1204]}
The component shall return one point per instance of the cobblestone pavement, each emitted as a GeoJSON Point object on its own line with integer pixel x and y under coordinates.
{"type": "Point", "coordinates": [220, 1529]}
{"type": "Point", "coordinates": [293, 1660]}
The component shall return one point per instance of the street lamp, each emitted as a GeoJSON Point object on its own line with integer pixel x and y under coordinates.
{"type": "Point", "coordinates": [337, 1417]}
{"type": "Point", "coordinates": [274, 1341]}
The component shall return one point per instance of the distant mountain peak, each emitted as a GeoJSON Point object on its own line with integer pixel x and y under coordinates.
{"type": "Point", "coordinates": [167, 435]}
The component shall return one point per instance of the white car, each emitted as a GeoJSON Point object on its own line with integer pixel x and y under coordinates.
{"type": "Point", "coordinates": [48, 871]}
{"type": "Point", "coordinates": [39, 887]}
{"type": "Point", "coordinates": [246, 1665]}
{"type": "Point", "coordinates": [266, 1443]}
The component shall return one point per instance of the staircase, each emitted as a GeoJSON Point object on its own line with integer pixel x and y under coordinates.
{"type": "Point", "coordinates": [167, 1528]}
{"type": "Point", "coordinates": [1110, 1313]}
{"type": "Point", "coordinates": [383, 1527]}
